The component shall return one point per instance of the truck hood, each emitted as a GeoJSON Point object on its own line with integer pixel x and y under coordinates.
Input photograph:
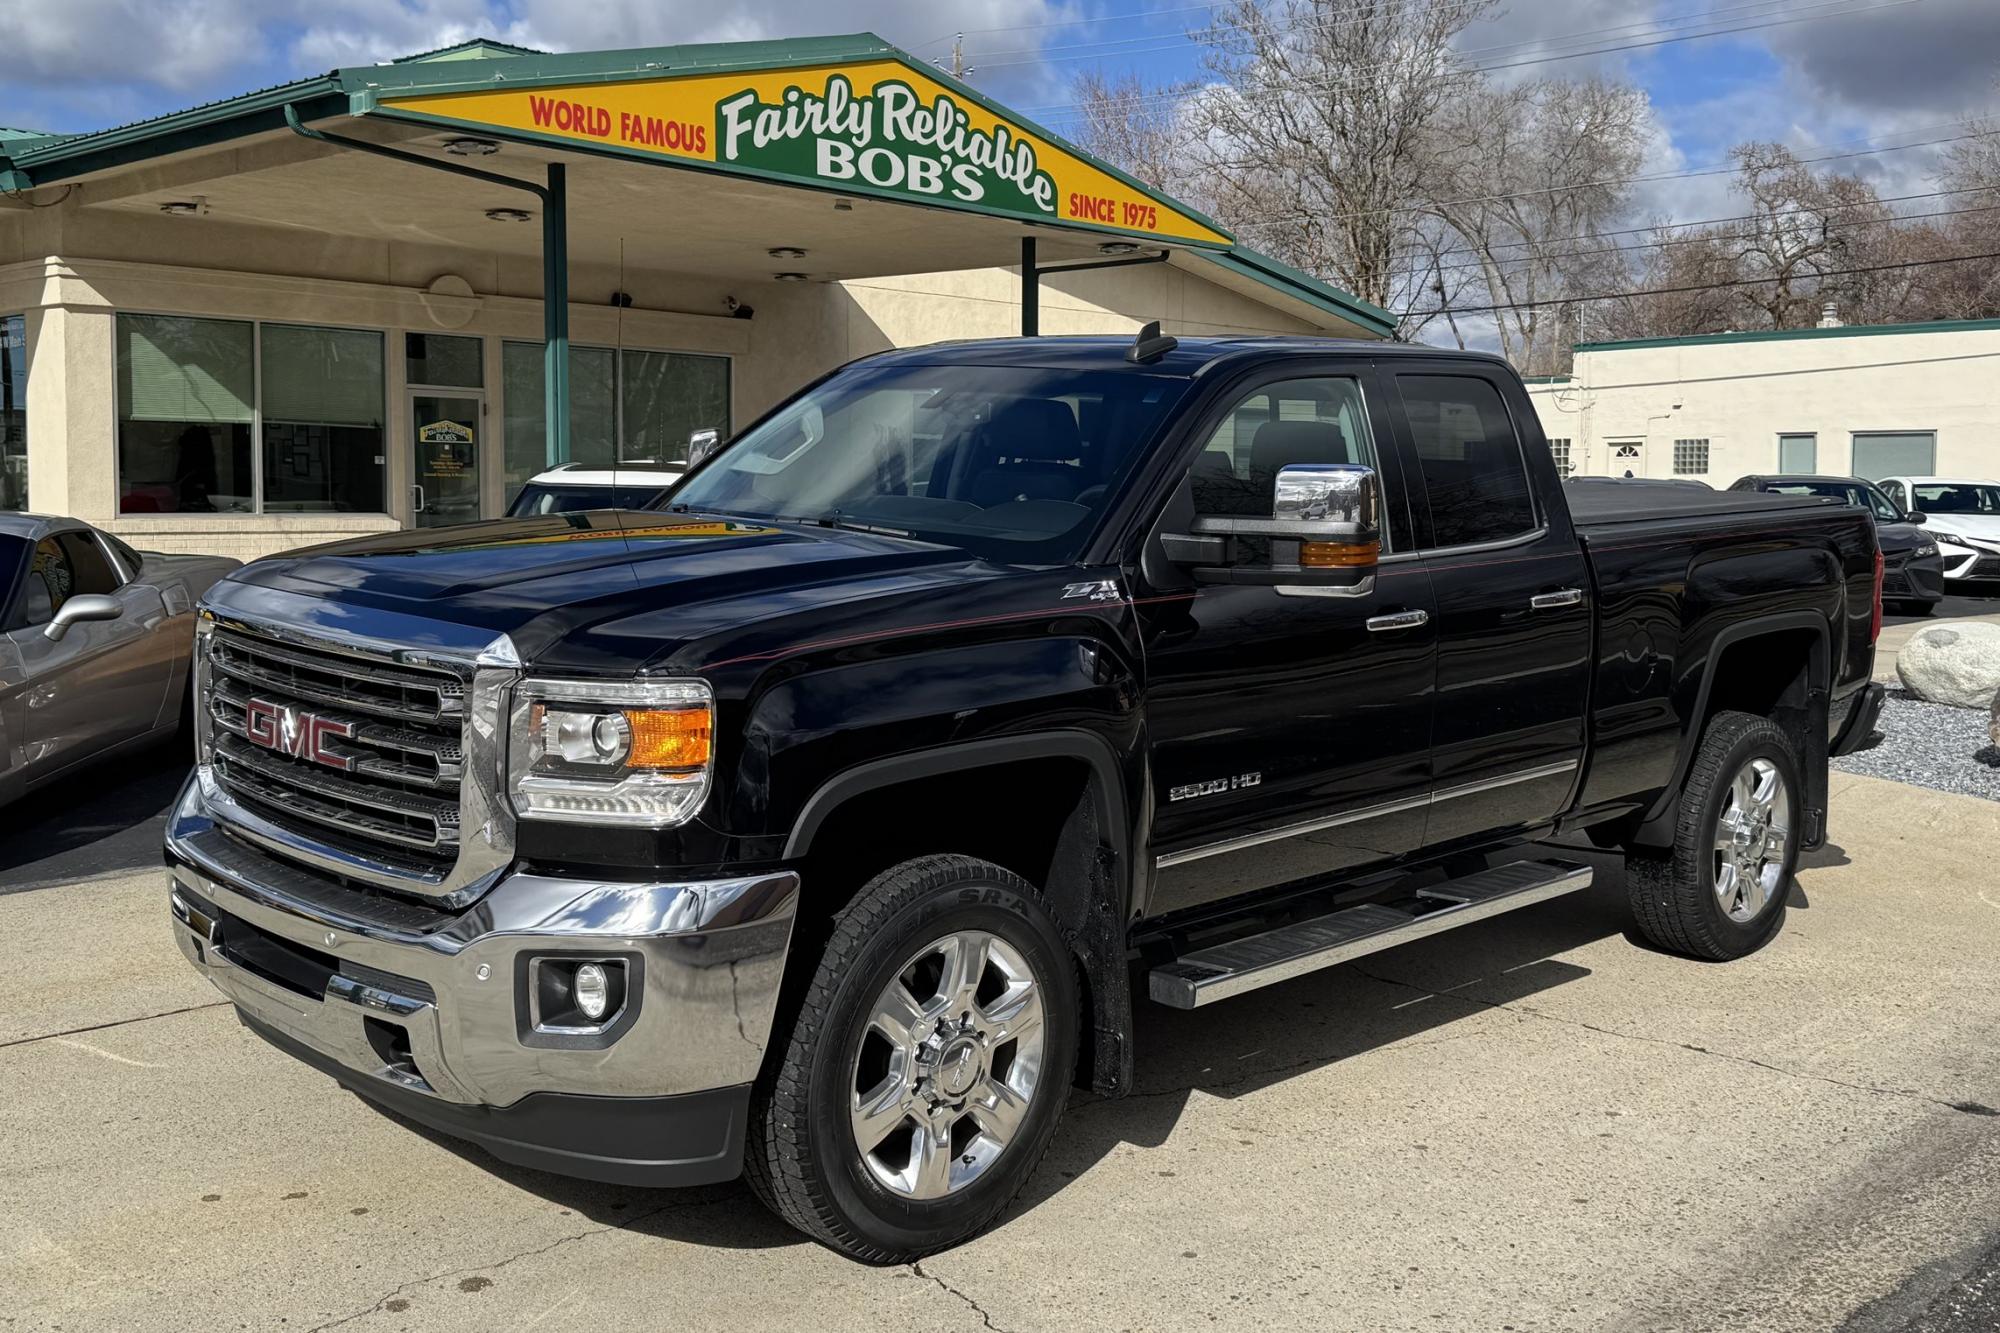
{"type": "Point", "coordinates": [601, 590]}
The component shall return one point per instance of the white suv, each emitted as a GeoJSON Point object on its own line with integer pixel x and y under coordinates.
{"type": "Point", "coordinates": [574, 486]}
{"type": "Point", "coordinates": [1963, 516]}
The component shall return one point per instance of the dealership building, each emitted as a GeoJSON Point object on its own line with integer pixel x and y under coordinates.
{"type": "Point", "coordinates": [1847, 400]}
{"type": "Point", "coordinates": [386, 296]}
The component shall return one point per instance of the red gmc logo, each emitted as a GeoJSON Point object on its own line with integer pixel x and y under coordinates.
{"type": "Point", "coordinates": [295, 732]}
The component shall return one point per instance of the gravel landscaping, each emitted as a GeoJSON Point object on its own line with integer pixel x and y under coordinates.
{"type": "Point", "coordinates": [1931, 745]}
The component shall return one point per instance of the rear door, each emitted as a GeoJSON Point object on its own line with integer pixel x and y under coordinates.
{"type": "Point", "coordinates": [1289, 735]}
{"type": "Point", "coordinates": [1512, 600]}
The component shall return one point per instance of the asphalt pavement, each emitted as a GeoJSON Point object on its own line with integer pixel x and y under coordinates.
{"type": "Point", "coordinates": [1535, 1123]}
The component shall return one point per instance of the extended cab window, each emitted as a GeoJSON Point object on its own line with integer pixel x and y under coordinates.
{"type": "Point", "coordinates": [1319, 420]}
{"type": "Point", "coordinates": [1473, 469]}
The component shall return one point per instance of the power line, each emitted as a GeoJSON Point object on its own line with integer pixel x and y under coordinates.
{"type": "Point", "coordinates": [1038, 55]}
{"type": "Point", "coordinates": [1696, 287]}
{"type": "Point", "coordinates": [1287, 89]}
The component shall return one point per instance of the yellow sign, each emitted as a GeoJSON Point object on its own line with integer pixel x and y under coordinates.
{"type": "Point", "coordinates": [880, 125]}
{"type": "Point", "coordinates": [444, 432]}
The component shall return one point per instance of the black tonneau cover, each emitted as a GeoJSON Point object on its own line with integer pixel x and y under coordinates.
{"type": "Point", "coordinates": [1596, 503]}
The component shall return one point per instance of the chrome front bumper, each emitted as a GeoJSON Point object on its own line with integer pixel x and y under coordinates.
{"type": "Point", "coordinates": [434, 1006]}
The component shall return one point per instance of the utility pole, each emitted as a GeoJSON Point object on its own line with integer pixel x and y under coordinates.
{"type": "Point", "coordinates": [959, 68]}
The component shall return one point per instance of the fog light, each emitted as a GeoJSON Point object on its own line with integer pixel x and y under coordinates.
{"type": "Point", "coordinates": [593, 991]}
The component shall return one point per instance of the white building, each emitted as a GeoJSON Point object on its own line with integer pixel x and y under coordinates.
{"type": "Point", "coordinates": [1846, 400]}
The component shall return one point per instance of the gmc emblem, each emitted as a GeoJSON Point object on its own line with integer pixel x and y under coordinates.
{"type": "Point", "coordinates": [295, 732]}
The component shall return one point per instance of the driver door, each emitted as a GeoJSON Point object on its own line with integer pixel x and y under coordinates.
{"type": "Point", "coordinates": [104, 682]}
{"type": "Point", "coordinates": [1289, 734]}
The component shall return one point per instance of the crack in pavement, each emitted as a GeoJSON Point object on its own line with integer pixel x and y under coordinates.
{"type": "Point", "coordinates": [1963, 1107]}
{"type": "Point", "coordinates": [625, 1224]}
{"type": "Point", "coordinates": [977, 1308]}
{"type": "Point", "coordinates": [114, 1023]}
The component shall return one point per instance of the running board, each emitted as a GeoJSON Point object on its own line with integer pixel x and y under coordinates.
{"type": "Point", "coordinates": [1223, 970]}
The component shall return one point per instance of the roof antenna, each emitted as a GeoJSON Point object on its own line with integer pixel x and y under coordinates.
{"type": "Point", "coordinates": [1150, 345]}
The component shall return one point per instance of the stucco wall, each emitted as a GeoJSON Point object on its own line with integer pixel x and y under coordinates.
{"type": "Point", "coordinates": [71, 269]}
{"type": "Point", "coordinates": [1741, 394]}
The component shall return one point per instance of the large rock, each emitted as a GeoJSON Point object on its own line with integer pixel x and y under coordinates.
{"type": "Point", "coordinates": [1956, 663]}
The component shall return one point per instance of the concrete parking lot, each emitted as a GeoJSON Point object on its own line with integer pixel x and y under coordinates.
{"type": "Point", "coordinates": [1536, 1123]}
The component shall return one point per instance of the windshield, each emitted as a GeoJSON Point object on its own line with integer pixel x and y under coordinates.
{"type": "Point", "coordinates": [1011, 463]}
{"type": "Point", "coordinates": [539, 498]}
{"type": "Point", "coordinates": [1856, 493]}
{"type": "Point", "coordinates": [1958, 498]}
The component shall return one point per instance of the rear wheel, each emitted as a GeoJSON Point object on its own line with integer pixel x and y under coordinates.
{"type": "Point", "coordinates": [927, 1068]}
{"type": "Point", "coordinates": [1720, 892]}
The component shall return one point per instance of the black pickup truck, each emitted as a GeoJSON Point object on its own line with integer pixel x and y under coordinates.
{"type": "Point", "coordinates": [825, 822]}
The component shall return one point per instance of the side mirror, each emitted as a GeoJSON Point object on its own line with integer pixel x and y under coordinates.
{"type": "Point", "coordinates": [1323, 538]}
{"type": "Point", "coordinates": [702, 443]}
{"type": "Point", "coordinates": [84, 606]}
{"type": "Point", "coordinates": [1915, 516]}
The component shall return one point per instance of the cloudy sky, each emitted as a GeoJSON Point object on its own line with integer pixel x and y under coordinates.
{"type": "Point", "coordinates": [1822, 75]}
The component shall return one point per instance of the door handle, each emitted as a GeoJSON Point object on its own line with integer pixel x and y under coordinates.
{"type": "Point", "coordinates": [417, 499]}
{"type": "Point", "coordinates": [1549, 601]}
{"type": "Point", "coordinates": [1398, 620]}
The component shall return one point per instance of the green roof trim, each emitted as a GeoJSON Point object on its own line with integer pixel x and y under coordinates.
{"type": "Point", "coordinates": [1547, 379]}
{"type": "Point", "coordinates": [1787, 335]}
{"type": "Point", "coordinates": [479, 48]}
{"type": "Point", "coordinates": [1303, 286]}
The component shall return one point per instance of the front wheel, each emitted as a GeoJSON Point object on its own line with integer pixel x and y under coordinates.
{"type": "Point", "coordinates": [927, 1067]}
{"type": "Point", "coordinates": [1720, 892]}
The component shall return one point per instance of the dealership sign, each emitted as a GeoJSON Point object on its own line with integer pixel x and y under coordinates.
{"type": "Point", "coordinates": [878, 127]}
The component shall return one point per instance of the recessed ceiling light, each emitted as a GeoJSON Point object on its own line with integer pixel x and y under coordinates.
{"type": "Point", "coordinates": [789, 277]}
{"type": "Point", "coordinates": [843, 205]}
{"type": "Point", "coordinates": [1118, 248]}
{"type": "Point", "coordinates": [180, 208]}
{"type": "Point", "coordinates": [509, 215]}
{"type": "Point", "coordinates": [471, 147]}
{"type": "Point", "coordinates": [785, 252]}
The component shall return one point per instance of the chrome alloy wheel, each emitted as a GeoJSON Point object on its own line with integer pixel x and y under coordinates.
{"type": "Point", "coordinates": [948, 1066]}
{"type": "Point", "coordinates": [1750, 839]}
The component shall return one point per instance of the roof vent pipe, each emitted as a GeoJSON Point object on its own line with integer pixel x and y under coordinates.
{"type": "Point", "coordinates": [1829, 315]}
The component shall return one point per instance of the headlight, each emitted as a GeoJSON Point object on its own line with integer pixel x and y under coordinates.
{"type": "Point", "coordinates": [1925, 548]}
{"type": "Point", "coordinates": [631, 752]}
{"type": "Point", "coordinates": [1951, 537]}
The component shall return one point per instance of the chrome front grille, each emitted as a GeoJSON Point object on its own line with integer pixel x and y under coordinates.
{"type": "Point", "coordinates": [380, 795]}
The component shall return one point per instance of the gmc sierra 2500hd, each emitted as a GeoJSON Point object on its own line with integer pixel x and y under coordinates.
{"type": "Point", "coordinates": [818, 822]}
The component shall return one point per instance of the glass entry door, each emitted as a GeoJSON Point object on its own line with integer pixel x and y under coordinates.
{"type": "Point", "coordinates": [445, 433]}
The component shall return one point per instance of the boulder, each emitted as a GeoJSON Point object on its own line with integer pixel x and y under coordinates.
{"type": "Point", "coordinates": [1993, 727]}
{"type": "Point", "coordinates": [1956, 663]}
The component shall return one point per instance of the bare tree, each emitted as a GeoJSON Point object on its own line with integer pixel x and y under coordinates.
{"type": "Point", "coordinates": [1313, 141]}
{"type": "Point", "coordinates": [1686, 284]}
{"type": "Point", "coordinates": [1529, 178]}
{"type": "Point", "coordinates": [1135, 127]}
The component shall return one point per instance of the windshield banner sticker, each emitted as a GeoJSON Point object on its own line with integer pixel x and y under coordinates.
{"type": "Point", "coordinates": [880, 127]}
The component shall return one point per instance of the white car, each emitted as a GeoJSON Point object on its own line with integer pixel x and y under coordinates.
{"type": "Point", "coordinates": [1963, 516]}
{"type": "Point", "coordinates": [575, 486]}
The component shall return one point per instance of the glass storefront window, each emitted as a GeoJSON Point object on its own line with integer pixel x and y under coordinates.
{"type": "Point", "coordinates": [13, 413]}
{"type": "Point", "coordinates": [188, 409]}
{"type": "Point", "coordinates": [664, 396]}
{"type": "Point", "coordinates": [323, 416]}
{"type": "Point", "coordinates": [185, 408]}
{"type": "Point", "coordinates": [443, 358]}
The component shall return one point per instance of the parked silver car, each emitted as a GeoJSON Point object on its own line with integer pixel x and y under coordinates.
{"type": "Point", "coordinates": [95, 645]}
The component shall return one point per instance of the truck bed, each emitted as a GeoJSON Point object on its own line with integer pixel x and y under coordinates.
{"type": "Point", "coordinates": [1603, 504]}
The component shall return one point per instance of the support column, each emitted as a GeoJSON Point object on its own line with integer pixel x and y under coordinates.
{"type": "Point", "coordinates": [555, 316]}
{"type": "Point", "coordinates": [1031, 296]}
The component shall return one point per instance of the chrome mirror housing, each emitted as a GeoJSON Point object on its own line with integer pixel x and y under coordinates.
{"type": "Point", "coordinates": [1323, 538]}
{"type": "Point", "coordinates": [702, 443]}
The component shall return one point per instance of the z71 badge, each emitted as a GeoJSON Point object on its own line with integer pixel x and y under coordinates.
{"type": "Point", "coordinates": [1215, 787]}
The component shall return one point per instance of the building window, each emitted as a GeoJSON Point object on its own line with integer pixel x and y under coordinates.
{"type": "Point", "coordinates": [1894, 453]}
{"type": "Point", "coordinates": [1798, 454]}
{"type": "Point", "coordinates": [13, 413]}
{"type": "Point", "coordinates": [322, 413]}
{"type": "Point", "coordinates": [634, 407]}
{"type": "Point", "coordinates": [443, 359]}
{"type": "Point", "coordinates": [1559, 448]}
{"type": "Point", "coordinates": [188, 408]}
{"type": "Point", "coordinates": [1690, 458]}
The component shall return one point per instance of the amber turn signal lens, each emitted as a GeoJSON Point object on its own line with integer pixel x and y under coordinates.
{"type": "Point", "coordinates": [669, 737]}
{"type": "Point", "coordinates": [1338, 555]}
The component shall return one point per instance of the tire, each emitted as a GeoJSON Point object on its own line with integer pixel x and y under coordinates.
{"type": "Point", "coordinates": [805, 1159]}
{"type": "Point", "coordinates": [1916, 609]}
{"type": "Point", "coordinates": [1678, 897]}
